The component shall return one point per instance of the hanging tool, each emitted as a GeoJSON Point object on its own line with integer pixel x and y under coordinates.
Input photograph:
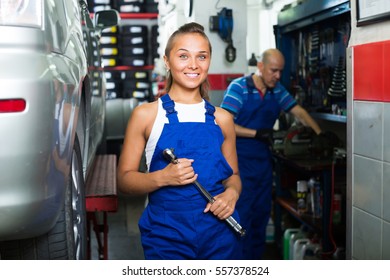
{"type": "Point", "coordinates": [338, 87]}
{"type": "Point", "coordinates": [171, 157]}
{"type": "Point", "coordinates": [223, 24]}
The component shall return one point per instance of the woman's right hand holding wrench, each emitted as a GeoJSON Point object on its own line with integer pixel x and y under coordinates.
{"type": "Point", "coordinates": [180, 173]}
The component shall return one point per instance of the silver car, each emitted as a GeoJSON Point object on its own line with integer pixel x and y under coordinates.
{"type": "Point", "coordinates": [52, 109]}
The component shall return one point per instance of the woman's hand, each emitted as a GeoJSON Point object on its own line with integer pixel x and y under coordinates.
{"type": "Point", "coordinates": [224, 204]}
{"type": "Point", "coordinates": [180, 173]}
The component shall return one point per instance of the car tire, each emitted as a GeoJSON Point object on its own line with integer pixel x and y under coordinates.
{"type": "Point", "coordinates": [76, 217]}
{"type": "Point", "coordinates": [68, 238]}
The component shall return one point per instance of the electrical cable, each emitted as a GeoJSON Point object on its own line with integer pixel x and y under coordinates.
{"type": "Point", "coordinates": [216, 5]}
{"type": "Point", "coordinates": [330, 228]}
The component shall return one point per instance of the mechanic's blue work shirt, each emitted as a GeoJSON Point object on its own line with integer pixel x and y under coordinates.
{"type": "Point", "coordinates": [237, 93]}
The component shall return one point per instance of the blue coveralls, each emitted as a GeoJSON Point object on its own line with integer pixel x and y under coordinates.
{"type": "Point", "coordinates": [255, 165]}
{"type": "Point", "coordinates": [173, 225]}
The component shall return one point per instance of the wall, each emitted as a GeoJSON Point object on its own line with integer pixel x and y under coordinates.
{"type": "Point", "coordinates": [262, 16]}
{"type": "Point", "coordinates": [368, 205]}
{"type": "Point", "coordinates": [172, 15]}
{"type": "Point", "coordinates": [175, 17]}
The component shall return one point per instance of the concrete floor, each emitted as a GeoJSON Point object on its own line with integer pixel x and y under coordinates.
{"type": "Point", "coordinates": [123, 234]}
{"type": "Point", "coordinates": [124, 237]}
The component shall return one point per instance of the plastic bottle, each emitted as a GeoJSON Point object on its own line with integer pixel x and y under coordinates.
{"type": "Point", "coordinates": [336, 209]}
{"type": "Point", "coordinates": [298, 244]}
{"type": "Point", "coordinates": [252, 64]}
{"type": "Point", "coordinates": [286, 241]}
{"type": "Point", "coordinates": [301, 196]}
{"type": "Point", "coordinates": [270, 231]}
{"type": "Point", "coordinates": [315, 197]}
{"type": "Point", "coordinates": [311, 251]}
{"type": "Point", "coordinates": [294, 237]}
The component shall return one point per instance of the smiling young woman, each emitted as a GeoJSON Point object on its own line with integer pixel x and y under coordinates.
{"type": "Point", "coordinates": [178, 223]}
{"type": "Point", "coordinates": [188, 64]}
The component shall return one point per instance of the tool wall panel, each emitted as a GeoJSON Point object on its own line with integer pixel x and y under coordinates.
{"type": "Point", "coordinates": [313, 35]}
{"type": "Point", "coordinates": [314, 45]}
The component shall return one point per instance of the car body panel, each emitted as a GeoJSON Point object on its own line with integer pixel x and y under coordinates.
{"type": "Point", "coordinates": [47, 68]}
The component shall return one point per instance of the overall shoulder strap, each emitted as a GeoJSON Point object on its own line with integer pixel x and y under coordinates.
{"type": "Point", "coordinates": [169, 107]}
{"type": "Point", "coordinates": [210, 110]}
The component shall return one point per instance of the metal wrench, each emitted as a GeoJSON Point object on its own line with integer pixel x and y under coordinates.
{"type": "Point", "coordinates": [171, 157]}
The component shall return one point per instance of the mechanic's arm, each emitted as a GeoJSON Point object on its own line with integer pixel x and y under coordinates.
{"type": "Point", "coordinates": [225, 202]}
{"type": "Point", "coordinates": [303, 116]}
{"type": "Point", "coordinates": [260, 134]}
{"type": "Point", "coordinates": [244, 131]}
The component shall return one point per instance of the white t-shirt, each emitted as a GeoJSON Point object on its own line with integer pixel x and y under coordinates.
{"type": "Point", "coordinates": [185, 113]}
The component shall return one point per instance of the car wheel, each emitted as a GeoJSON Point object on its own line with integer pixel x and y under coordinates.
{"type": "Point", "coordinates": [68, 238]}
{"type": "Point", "coordinates": [75, 205]}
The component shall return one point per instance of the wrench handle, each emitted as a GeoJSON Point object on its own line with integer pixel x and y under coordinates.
{"type": "Point", "coordinates": [171, 157]}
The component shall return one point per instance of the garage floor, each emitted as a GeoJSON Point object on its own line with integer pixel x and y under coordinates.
{"type": "Point", "coordinates": [124, 237]}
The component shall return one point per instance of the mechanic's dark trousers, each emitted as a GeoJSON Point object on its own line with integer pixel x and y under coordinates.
{"type": "Point", "coordinates": [254, 204]}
